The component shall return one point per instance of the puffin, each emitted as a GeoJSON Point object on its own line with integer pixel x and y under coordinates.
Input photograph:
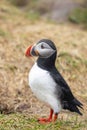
{"type": "Point", "coordinates": [47, 83]}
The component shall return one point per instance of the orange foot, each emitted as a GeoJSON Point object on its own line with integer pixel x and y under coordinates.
{"type": "Point", "coordinates": [44, 120]}
{"type": "Point", "coordinates": [49, 119]}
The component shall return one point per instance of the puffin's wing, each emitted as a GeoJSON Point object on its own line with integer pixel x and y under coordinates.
{"type": "Point", "coordinates": [69, 101]}
{"type": "Point", "coordinates": [62, 84]}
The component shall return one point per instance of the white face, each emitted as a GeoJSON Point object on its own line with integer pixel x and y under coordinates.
{"type": "Point", "coordinates": [44, 50]}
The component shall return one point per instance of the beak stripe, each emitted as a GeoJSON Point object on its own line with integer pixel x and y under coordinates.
{"type": "Point", "coordinates": [36, 52]}
{"type": "Point", "coordinates": [28, 51]}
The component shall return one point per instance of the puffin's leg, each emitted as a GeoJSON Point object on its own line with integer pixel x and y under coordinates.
{"type": "Point", "coordinates": [46, 120]}
{"type": "Point", "coordinates": [55, 117]}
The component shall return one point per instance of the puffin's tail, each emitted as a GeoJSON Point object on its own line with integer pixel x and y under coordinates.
{"type": "Point", "coordinates": [73, 106]}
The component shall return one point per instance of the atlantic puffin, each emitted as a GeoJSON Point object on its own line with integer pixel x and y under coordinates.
{"type": "Point", "coordinates": [47, 83]}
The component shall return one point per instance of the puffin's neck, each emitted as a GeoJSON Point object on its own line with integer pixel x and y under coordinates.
{"type": "Point", "coordinates": [47, 63]}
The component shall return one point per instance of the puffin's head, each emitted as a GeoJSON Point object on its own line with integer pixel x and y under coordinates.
{"type": "Point", "coordinates": [44, 48]}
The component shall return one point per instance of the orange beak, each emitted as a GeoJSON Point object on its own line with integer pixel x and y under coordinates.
{"type": "Point", "coordinates": [28, 51]}
{"type": "Point", "coordinates": [31, 52]}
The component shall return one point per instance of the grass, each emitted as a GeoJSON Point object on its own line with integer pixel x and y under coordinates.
{"type": "Point", "coordinates": [71, 62]}
{"type": "Point", "coordinates": [32, 15]}
{"type": "Point", "coordinates": [19, 2]}
{"type": "Point", "coordinates": [19, 121]}
{"type": "Point", "coordinates": [3, 33]}
{"type": "Point", "coordinates": [79, 16]}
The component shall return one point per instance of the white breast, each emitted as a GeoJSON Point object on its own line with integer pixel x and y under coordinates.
{"type": "Point", "coordinates": [43, 86]}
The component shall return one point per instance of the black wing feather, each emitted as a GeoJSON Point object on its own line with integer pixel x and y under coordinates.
{"type": "Point", "coordinates": [68, 100]}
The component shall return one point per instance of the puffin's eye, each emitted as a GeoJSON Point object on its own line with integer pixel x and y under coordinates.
{"type": "Point", "coordinates": [42, 47]}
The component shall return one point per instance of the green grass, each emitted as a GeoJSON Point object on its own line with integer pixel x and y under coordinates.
{"type": "Point", "coordinates": [10, 12]}
{"type": "Point", "coordinates": [3, 33]}
{"type": "Point", "coordinates": [19, 121]}
{"type": "Point", "coordinates": [71, 61]}
{"type": "Point", "coordinates": [32, 15]}
{"type": "Point", "coordinates": [79, 16]}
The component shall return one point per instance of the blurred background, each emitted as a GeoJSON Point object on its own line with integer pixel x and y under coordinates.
{"type": "Point", "coordinates": [25, 22]}
{"type": "Point", "coordinates": [74, 11]}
